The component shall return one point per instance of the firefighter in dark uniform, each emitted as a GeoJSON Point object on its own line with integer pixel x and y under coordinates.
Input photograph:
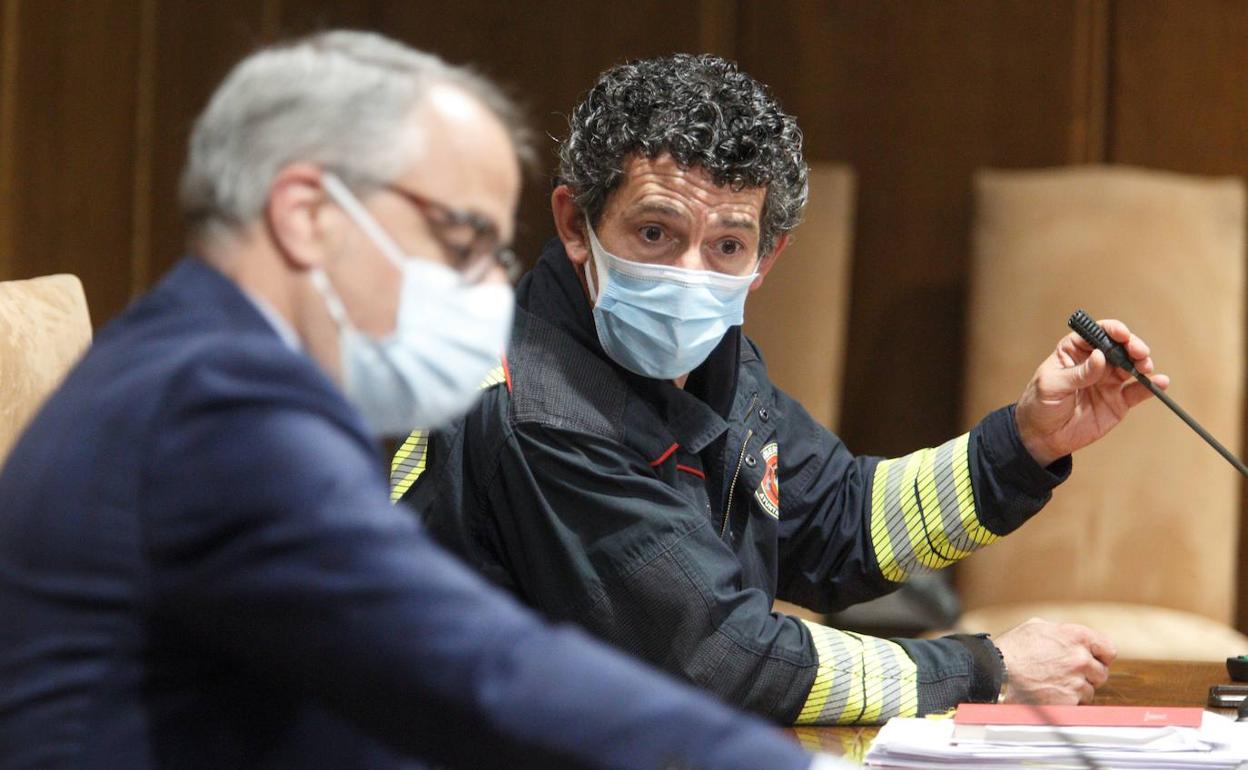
{"type": "Point", "coordinates": [632, 468]}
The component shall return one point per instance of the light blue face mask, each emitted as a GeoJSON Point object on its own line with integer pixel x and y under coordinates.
{"type": "Point", "coordinates": [660, 321]}
{"type": "Point", "coordinates": [447, 337]}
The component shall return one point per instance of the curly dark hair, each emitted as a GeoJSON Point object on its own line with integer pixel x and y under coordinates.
{"type": "Point", "coordinates": [705, 112]}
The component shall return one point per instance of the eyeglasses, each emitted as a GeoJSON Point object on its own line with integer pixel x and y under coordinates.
{"type": "Point", "coordinates": [471, 239]}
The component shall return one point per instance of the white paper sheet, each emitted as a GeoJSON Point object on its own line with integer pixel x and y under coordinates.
{"type": "Point", "coordinates": [928, 743]}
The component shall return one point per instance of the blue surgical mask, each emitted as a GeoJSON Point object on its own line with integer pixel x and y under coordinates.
{"type": "Point", "coordinates": [448, 336]}
{"type": "Point", "coordinates": [660, 321]}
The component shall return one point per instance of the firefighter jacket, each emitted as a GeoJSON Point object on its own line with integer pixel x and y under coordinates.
{"type": "Point", "coordinates": [668, 520]}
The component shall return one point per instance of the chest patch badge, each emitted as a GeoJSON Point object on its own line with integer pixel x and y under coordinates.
{"type": "Point", "coordinates": [768, 492]}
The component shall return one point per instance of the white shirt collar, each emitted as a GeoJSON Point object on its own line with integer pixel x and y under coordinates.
{"type": "Point", "coordinates": [280, 326]}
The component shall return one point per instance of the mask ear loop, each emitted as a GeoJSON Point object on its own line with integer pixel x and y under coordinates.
{"type": "Point", "coordinates": [372, 230]}
{"type": "Point", "coordinates": [597, 251]}
{"type": "Point", "coordinates": [332, 303]}
{"type": "Point", "coordinates": [351, 205]}
{"type": "Point", "coordinates": [363, 220]}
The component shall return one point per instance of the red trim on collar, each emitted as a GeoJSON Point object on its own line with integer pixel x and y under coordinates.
{"type": "Point", "coordinates": [506, 373]}
{"type": "Point", "coordinates": [691, 471]}
{"type": "Point", "coordinates": [659, 460]}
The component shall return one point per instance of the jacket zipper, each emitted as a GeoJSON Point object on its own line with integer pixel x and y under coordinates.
{"type": "Point", "coordinates": [732, 487]}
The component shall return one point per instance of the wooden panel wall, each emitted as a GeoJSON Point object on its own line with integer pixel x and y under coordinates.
{"type": "Point", "coordinates": [193, 47]}
{"type": "Point", "coordinates": [915, 97]}
{"type": "Point", "coordinates": [69, 98]}
{"type": "Point", "coordinates": [1180, 86]}
{"type": "Point", "coordinates": [97, 96]}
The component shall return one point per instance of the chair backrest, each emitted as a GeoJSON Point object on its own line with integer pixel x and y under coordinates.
{"type": "Point", "coordinates": [1151, 513]}
{"type": "Point", "coordinates": [44, 327]}
{"type": "Point", "coordinates": [799, 315]}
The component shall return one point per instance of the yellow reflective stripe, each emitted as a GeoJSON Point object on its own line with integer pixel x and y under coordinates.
{"type": "Point", "coordinates": [918, 527]}
{"type": "Point", "coordinates": [929, 504]}
{"type": "Point", "coordinates": [923, 513]}
{"type": "Point", "coordinates": [859, 680]}
{"type": "Point", "coordinates": [852, 667]}
{"type": "Point", "coordinates": [939, 519]}
{"type": "Point", "coordinates": [879, 534]}
{"type": "Point", "coordinates": [873, 690]}
{"type": "Point", "coordinates": [817, 697]}
{"type": "Point", "coordinates": [977, 532]}
{"type": "Point", "coordinates": [408, 462]}
{"type": "Point", "coordinates": [496, 377]}
{"type": "Point", "coordinates": [404, 452]}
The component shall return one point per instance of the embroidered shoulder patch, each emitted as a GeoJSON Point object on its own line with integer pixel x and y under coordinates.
{"type": "Point", "coordinates": [768, 492]}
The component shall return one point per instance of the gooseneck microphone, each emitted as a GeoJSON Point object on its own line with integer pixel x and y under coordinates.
{"type": "Point", "coordinates": [1117, 355]}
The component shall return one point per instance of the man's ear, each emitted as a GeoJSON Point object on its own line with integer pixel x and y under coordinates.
{"type": "Point", "coordinates": [570, 224]}
{"type": "Point", "coordinates": [769, 259]}
{"type": "Point", "coordinates": [296, 216]}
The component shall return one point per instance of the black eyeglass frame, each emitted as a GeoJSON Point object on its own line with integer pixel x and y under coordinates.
{"type": "Point", "coordinates": [482, 251]}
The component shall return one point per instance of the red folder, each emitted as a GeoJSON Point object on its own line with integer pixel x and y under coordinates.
{"type": "Point", "coordinates": [1077, 716]}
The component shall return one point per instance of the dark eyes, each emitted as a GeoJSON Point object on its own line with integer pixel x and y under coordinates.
{"type": "Point", "coordinates": [656, 234]}
{"type": "Point", "coordinates": [652, 233]}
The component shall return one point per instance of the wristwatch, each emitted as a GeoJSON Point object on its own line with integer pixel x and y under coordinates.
{"type": "Point", "coordinates": [1005, 673]}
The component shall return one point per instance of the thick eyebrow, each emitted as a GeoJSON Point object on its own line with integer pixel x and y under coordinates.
{"type": "Point", "coordinates": [659, 208]}
{"type": "Point", "coordinates": [734, 222]}
{"type": "Point", "coordinates": [729, 221]}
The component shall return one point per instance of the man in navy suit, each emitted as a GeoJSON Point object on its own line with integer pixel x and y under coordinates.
{"type": "Point", "coordinates": [199, 563]}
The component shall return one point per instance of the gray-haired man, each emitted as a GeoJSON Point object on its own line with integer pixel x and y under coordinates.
{"type": "Point", "coordinates": [199, 563]}
{"type": "Point", "coordinates": [637, 471]}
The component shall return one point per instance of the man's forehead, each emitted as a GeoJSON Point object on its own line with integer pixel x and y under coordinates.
{"type": "Point", "coordinates": [463, 157]}
{"type": "Point", "coordinates": [654, 183]}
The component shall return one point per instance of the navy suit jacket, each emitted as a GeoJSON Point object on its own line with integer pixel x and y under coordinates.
{"type": "Point", "coordinates": [200, 567]}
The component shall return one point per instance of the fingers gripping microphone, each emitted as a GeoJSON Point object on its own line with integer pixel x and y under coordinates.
{"type": "Point", "coordinates": [1117, 355]}
{"type": "Point", "coordinates": [1095, 336]}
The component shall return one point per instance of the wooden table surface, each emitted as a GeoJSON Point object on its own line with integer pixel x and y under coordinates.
{"type": "Point", "coordinates": [1131, 683]}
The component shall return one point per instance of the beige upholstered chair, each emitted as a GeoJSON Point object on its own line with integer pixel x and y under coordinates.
{"type": "Point", "coordinates": [799, 315]}
{"type": "Point", "coordinates": [44, 327]}
{"type": "Point", "coordinates": [1141, 541]}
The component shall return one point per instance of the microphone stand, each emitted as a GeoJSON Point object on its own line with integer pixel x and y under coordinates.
{"type": "Point", "coordinates": [1117, 355]}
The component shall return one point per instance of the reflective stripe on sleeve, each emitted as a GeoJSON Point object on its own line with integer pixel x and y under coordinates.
{"type": "Point", "coordinates": [923, 513]}
{"type": "Point", "coordinates": [861, 680]}
{"type": "Point", "coordinates": [409, 461]}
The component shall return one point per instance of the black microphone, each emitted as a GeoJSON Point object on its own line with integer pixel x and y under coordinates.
{"type": "Point", "coordinates": [1097, 337]}
{"type": "Point", "coordinates": [1117, 355]}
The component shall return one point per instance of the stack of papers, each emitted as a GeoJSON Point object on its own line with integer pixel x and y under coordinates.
{"type": "Point", "coordinates": [1218, 742]}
